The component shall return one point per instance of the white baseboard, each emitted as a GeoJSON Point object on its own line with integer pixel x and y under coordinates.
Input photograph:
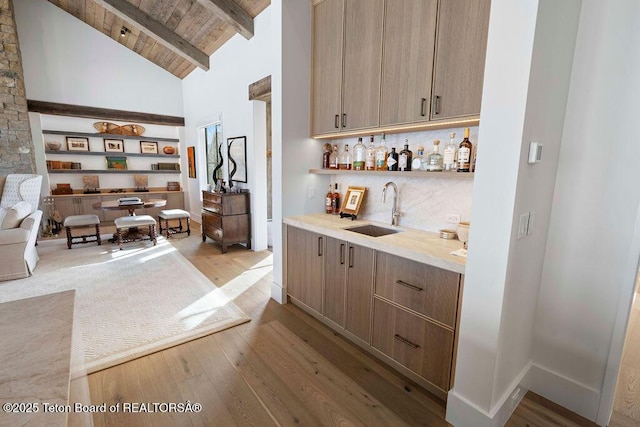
{"type": "Point", "coordinates": [579, 398]}
{"type": "Point", "coordinates": [278, 293]}
{"type": "Point", "coordinates": [462, 413]}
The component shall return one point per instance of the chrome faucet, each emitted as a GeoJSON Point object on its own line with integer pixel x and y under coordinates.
{"type": "Point", "coordinates": [394, 212]}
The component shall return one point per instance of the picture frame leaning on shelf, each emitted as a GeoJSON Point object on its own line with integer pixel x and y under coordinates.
{"type": "Point", "coordinates": [113, 145]}
{"type": "Point", "coordinates": [77, 144]}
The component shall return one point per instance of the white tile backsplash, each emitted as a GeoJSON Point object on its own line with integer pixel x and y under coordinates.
{"type": "Point", "coordinates": [424, 202]}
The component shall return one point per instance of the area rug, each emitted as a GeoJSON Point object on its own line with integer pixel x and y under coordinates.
{"type": "Point", "coordinates": [129, 303]}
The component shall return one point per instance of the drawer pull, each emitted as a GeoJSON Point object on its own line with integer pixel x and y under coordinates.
{"type": "Point", "coordinates": [350, 256]}
{"type": "Point", "coordinates": [320, 246]}
{"type": "Point", "coordinates": [405, 341]}
{"type": "Point", "coordinates": [337, 121]}
{"type": "Point", "coordinates": [435, 107]}
{"type": "Point", "coordinates": [341, 253]}
{"type": "Point", "coordinates": [408, 285]}
{"type": "Point", "coordinates": [423, 102]}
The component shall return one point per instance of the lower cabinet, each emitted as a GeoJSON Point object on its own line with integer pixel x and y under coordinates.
{"type": "Point", "coordinates": [403, 311]}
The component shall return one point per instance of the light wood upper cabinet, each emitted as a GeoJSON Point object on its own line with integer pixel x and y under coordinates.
{"type": "Point", "coordinates": [362, 58]}
{"type": "Point", "coordinates": [409, 39]}
{"type": "Point", "coordinates": [461, 45]}
{"type": "Point", "coordinates": [328, 35]}
{"type": "Point", "coordinates": [304, 267]}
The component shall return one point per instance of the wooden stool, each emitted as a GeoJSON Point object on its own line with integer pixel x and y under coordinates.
{"type": "Point", "coordinates": [76, 221]}
{"type": "Point", "coordinates": [132, 223]}
{"type": "Point", "coordinates": [173, 214]}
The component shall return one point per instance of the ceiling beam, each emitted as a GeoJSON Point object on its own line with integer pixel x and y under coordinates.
{"type": "Point", "coordinates": [232, 14]}
{"type": "Point", "coordinates": [157, 31]}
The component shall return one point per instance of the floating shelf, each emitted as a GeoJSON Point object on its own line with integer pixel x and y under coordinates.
{"type": "Point", "coordinates": [106, 153]}
{"type": "Point", "coordinates": [109, 171]}
{"type": "Point", "coordinates": [108, 135]}
{"type": "Point", "coordinates": [412, 174]}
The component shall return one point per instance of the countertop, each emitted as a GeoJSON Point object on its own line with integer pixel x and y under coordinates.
{"type": "Point", "coordinates": [418, 245]}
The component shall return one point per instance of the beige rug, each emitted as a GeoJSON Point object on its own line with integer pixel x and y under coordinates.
{"type": "Point", "coordinates": [129, 303]}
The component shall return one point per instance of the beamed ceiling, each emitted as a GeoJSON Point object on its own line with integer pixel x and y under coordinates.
{"type": "Point", "coordinates": [177, 35]}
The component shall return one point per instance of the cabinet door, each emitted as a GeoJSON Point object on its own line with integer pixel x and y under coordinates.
{"type": "Point", "coordinates": [328, 27]}
{"type": "Point", "coordinates": [359, 291]}
{"type": "Point", "coordinates": [335, 264]}
{"type": "Point", "coordinates": [304, 267]}
{"type": "Point", "coordinates": [407, 64]}
{"type": "Point", "coordinates": [85, 205]}
{"type": "Point", "coordinates": [362, 58]}
{"type": "Point", "coordinates": [175, 200]}
{"type": "Point", "coordinates": [460, 54]}
{"type": "Point", "coordinates": [66, 206]}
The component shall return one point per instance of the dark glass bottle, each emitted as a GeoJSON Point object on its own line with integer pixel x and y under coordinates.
{"type": "Point", "coordinates": [335, 201]}
{"type": "Point", "coordinates": [392, 160]}
{"type": "Point", "coordinates": [464, 153]}
{"type": "Point", "coordinates": [405, 158]}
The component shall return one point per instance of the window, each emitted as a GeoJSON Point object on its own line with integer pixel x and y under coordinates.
{"type": "Point", "coordinates": [213, 144]}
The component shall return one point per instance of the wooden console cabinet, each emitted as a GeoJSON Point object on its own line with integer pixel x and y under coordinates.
{"type": "Point", "coordinates": [226, 218]}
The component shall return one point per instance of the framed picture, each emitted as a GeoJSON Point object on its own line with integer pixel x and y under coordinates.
{"type": "Point", "coordinates": [237, 154]}
{"type": "Point", "coordinates": [116, 162]}
{"type": "Point", "coordinates": [191, 161]}
{"type": "Point", "coordinates": [148, 147]}
{"type": "Point", "coordinates": [77, 144]}
{"type": "Point", "coordinates": [114, 145]}
{"type": "Point", "coordinates": [353, 200]}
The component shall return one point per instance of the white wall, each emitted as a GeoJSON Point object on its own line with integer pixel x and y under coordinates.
{"type": "Point", "coordinates": [222, 94]}
{"type": "Point", "coordinates": [69, 62]}
{"type": "Point", "coordinates": [592, 252]}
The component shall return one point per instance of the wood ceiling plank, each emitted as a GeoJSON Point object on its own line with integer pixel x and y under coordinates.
{"type": "Point", "coordinates": [132, 38]}
{"type": "Point", "coordinates": [99, 18]}
{"type": "Point", "coordinates": [140, 41]}
{"type": "Point", "coordinates": [253, 7]}
{"type": "Point", "coordinates": [181, 9]}
{"type": "Point", "coordinates": [206, 33]}
{"type": "Point", "coordinates": [226, 33]}
{"type": "Point", "coordinates": [158, 31]}
{"type": "Point", "coordinates": [192, 14]}
{"type": "Point", "coordinates": [196, 23]}
{"type": "Point", "coordinates": [233, 14]}
{"type": "Point", "coordinates": [90, 12]}
{"type": "Point", "coordinates": [167, 10]}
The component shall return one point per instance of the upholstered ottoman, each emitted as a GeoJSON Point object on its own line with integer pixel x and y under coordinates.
{"type": "Point", "coordinates": [82, 221]}
{"type": "Point", "coordinates": [132, 226]}
{"type": "Point", "coordinates": [174, 214]}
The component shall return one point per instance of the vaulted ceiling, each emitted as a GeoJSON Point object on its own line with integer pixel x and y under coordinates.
{"type": "Point", "coordinates": [177, 35]}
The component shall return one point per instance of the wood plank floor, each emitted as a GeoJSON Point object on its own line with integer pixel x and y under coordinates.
{"type": "Point", "coordinates": [282, 368]}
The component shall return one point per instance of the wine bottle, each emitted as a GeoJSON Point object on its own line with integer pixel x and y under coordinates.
{"type": "Point", "coordinates": [328, 201]}
{"type": "Point", "coordinates": [359, 155]}
{"type": "Point", "coordinates": [370, 160]}
{"type": "Point", "coordinates": [335, 201]}
{"type": "Point", "coordinates": [464, 153]}
{"type": "Point", "coordinates": [381, 155]}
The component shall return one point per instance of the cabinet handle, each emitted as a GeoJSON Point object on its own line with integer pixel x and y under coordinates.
{"type": "Point", "coordinates": [408, 285]}
{"type": "Point", "coordinates": [423, 105]}
{"type": "Point", "coordinates": [436, 105]}
{"type": "Point", "coordinates": [341, 253]}
{"type": "Point", "coordinates": [337, 121]}
{"type": "Point", "coordinates": [344, 120]}
{"type": "Point", "coordinates": [320, 246]}
{"type": "Point", "coordinates": [406, 341]}
{"type": "Point", "coordinates": [350, 256]}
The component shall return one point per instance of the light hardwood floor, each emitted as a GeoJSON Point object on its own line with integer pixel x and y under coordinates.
{"type": "Point", "coordinates": [282, 368]}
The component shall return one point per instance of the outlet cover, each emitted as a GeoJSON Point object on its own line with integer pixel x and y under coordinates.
{"type": "Point", "coordinates": [453, 218]}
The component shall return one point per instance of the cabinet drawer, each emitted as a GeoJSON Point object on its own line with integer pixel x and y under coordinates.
{"type": "Point", "coordinates": [420, 345]}
{"type": "Point", "coordinates": [211, 197]}
{"type": "Point", "coordinates": [212, 207]}
{"type": "Point", "coordinates": [211, 219]}
{"type": "Point", "coordinates": [426, 289]}
{"type": "Point", "coordinates": [212, 232]}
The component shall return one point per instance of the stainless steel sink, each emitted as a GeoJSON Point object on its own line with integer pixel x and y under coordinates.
{"type": "Point", "coordinates": [372, 230]}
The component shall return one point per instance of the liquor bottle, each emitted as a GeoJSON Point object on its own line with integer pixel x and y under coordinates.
{"type": "Point", "coordinates": [326, 156]}
{"type": "Point", "coordinates": [381, 155]}
{"type": "Point", "coordinates": [405, 158]}
{"type": "Point", "coordinates": [449, 158]}
{"type": "Point", "coordinates": [435, 158]}
{"type": "Point", "coordinates": [335, 201]}
{"type": "Point", "coordinates": [416, 163]}
{"type": "Point", "coordinates": [344, 160]}
{"type": "Point", "coordinates": [333, 158]}
{"type": "Point", "coordinates": [392, 160]}
{"type": "Point", "coordinates": [359, 155]}
{"type": "Point", "coordinates": [370, 158]}
{"type": "Point", "coordinates": [328, 205]}
{"type": "Point", "coordinates": [464, 153]}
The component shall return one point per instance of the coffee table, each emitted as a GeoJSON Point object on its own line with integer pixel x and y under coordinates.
{"type": "Point", "coordinates": [113, 205]}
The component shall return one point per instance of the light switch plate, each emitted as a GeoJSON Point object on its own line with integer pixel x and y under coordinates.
{"type": "Point", "coordinates": [535, 152]}
{"type": "Point", "coordinates": [532, 216]}
{"type": "Point", "coordinates": [523, 225]}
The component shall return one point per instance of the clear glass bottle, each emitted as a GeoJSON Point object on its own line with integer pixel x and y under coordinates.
{"type": "Point", "coordinates": [416, 163]}
{"type": "Point", "coordinates": [464, 153]}
{"type": "Point", "coordinates": [359, 155]}
{"type": "Point", "coordinates": [435, 158]}
{"type": "Point", "coordinates": [328, 205]}
{"type": "Point", "coordinates": [392, 160]}
{"type": "Point", "coordinates": [449, 158]}
{"type": "Point", "coordinates": [370, 158]}
{"type": "Point", "coordinates": [333, 158]}
{"type": "Point", "coordinates": [344, 159]}
{"type": "Point", "coordinates": [326, 155]}
{"type": "Point", "coordinates": [335, 200]}
{"type": "Point", "coordinates": [405, 158]}
{"type": "Point", "coordinates": [381, 155]}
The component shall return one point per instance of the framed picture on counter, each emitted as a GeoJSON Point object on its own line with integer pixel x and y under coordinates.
{"type": "Point", "coordinates": [353, 200]}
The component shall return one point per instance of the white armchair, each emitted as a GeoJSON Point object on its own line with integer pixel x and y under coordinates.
{"type": "Point", "coordinates": [18, 254]}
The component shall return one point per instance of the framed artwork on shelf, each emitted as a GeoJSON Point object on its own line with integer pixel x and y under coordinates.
{"type": "Point", "coordinates": [353, 200]}
{"type": "Point", "coordinates": [114, 145]}
{"type": "Point", "coordinates": [116, 163]}
{"type": "Point", "coordinates": [148, 147]}
{"type": "Point", "coordinates": [77, 144]}
{"type": "Point", "coordinates": [191, 161]}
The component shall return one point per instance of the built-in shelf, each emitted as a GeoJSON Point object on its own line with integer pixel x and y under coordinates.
{"type": "Point", "coordinates": [110, 171]}
{"type": "Point", "coordinates": [108, 135]}
{"type": "Point", "coordinates": [412, 174]}
{"type": "Point", "coordinates": [110, 153]}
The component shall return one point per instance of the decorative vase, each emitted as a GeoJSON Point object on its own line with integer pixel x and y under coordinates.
{"type": "Point", "coordinates": [168, 149]}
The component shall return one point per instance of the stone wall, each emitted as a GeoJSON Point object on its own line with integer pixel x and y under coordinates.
{"type": "Point", "coordinates": [16, 144]}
